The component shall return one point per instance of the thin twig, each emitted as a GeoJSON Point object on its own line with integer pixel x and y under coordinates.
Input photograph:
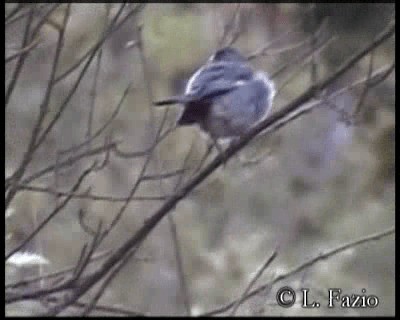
{"type": "Point", "coordinates": [24, 50]}
{"type": "Point", "coordinates": [22, 57]}
{"type": "Point", "coordinates": [313, 45]}
{"type": "Point", "coordinates": [162, 176]}
{"type": "Point", "coordinates": [235, 27]}
{"type": "Point", "coordinates": [69, 161]}
{"type": "Point", "coordinates": [104, 126]}
{"type": "Point", "coordinates": [13, 12]}
{"type": "Point", "coordinates": [112, 28]}
{"type": "Point", "coordinates": [301, 65]}
{"type": "Point", "coordinates": [52, 214]}
{"type": "Point", "coordinates": [91, 305]}
{"type": "Point", "coordinates": [366, 86]}
{"type": "Point", "coordinates": [305, 265]}
{"type": "Point", "coordinates": [28, 155]}
{"type": "Point", "coordinates": [109, 309]}
{"type": "Point", "coordinates": [253, 281]}
{"type": "Point", "coordinates": [89, 196]}
{"type": "Point", "coordinates": [288, 113]}
{"type": "Point", "coordinates": [230, 26]}
{"type": "Point", "coordinates": [177, 246]}
{"type": "Point", "coordinates": [138, 154]}
{"type": "Point", "coordinates": [87, 254]}
{"type": "Point", "coordinates": [302, 59]}
{"type": "Point", "coordinates": [61, 272]}
{"type": "Point", "coordinates": [377, 77]}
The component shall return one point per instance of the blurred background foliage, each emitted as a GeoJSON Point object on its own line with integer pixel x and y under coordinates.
{"type": "Point", "coordinates": [321, 184]}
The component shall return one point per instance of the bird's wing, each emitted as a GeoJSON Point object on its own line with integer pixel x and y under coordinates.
{"type": "Point", "coordinates": [248, 102]}
{"type": "Point", "coordinates": [212, 80]}
{"type": "Point", "coordinates": [217, 78]}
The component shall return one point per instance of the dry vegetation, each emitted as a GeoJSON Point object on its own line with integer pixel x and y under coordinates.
{"type": "Point", "coordinates": [112, 210]}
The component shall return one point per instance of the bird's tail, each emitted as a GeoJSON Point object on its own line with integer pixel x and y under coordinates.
{"type": "Point", "coordinates": [172, 100]}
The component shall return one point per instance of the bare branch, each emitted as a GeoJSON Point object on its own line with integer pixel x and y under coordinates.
{"type": "Point", "coordinates": [161, 176]}
{"type": "Point", "coordinates": [305, 265]}
{"type": "Point", "coordinates": [69, 161]}
{"type": "Point", "coordinates": [88, 195]}
{"type": "Point", "coordinates": [24, 50]}
{"type": "Point", "coordinates": [104, 126]}
{"type": "Point", "coordinates": [74, 283]}
{"type": "Point", "coordinates": [13, 12]}
{"type": "Point", "coordinates": [52, 214]}
{"type": "Point", "coordinates": [108, 309]}
{"type": "Point", "coordinates": [113, 27]}
{"type": "Point", "coordinates": [138, 154]}
{"type": "Point", "coordinates": [28, 155]}
{"type": "Point", "coordinates": [288, 113]}
{"type": "Point", "coordinates": [62, 272]}
{"type": "Point", "coordinates": [92, 304]}
{"type": "Point", "coordinates": [253, 281]}
{"type": "Point", "coordinates": [366, 86]}
{"type": "Point", "coordinates": [86, 256]}
{"type": "Point", "coordinates": [22, 57]}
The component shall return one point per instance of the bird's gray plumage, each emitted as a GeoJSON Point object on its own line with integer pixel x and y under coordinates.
{"type": "Point", "coordinates": [226, 96]}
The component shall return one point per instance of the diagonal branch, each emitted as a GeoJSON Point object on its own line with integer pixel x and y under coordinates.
{"type": "Point", "coordinates": [305, 265]}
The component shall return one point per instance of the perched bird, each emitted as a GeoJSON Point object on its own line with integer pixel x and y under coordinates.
{"type": "Point", "coordinates": [225, 97]}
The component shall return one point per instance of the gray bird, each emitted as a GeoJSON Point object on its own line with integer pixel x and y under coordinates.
{"type": "Point", "coordinates": [225, 97]}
